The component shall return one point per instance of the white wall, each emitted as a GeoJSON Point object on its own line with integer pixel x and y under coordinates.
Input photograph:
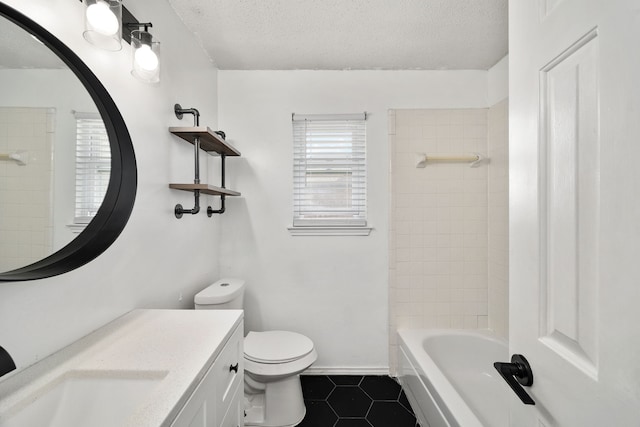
{"type": "Point", "coordinates": [157, 258]}
{"type": "Point", "coordinates": [333, 289]}
{"type": "Point", "coordinates": [498, 81]}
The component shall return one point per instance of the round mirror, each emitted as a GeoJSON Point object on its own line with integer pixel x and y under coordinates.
{"type": "Point", "coordinates": [67, 166]}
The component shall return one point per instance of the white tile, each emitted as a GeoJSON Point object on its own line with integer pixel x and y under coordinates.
{"type": "Point", "coordinates": [403, 255]}
{"type": "Point", "coordinates": [416, 254]}
{"type": "Point", "coordinates": [443, 308]}
{"type": "Point", "coordinates": [443, 295]}
{"type": "Point", "coordinates": [483, 322]}
{"type": "Point", "coordinates": [482, 308]}
{"type": "Point", "coordinates": [443, 268]}
{"type": "Point", "coordinates": [403, 295]}
{"type": "Point", "coordinates": [442, 281]}
{"type": "Point", "coordinates": [457, 321]}
{"type": "Point", "coordinates": [430, 268]}
{"type": "Point", "coordinates": [470, 322]}
{"type": "Point", "coordinates": [455, 226]}
{"type": "Point", "coordinates": [429, 254]}
{"type": "Point", "coordinates": [458, 295]}
{"type": "Point", "coordinates": [443, 322]}
{"type": "Point", "coordinates": [417, 294]}
{"type": "Point", "coordinates": [430, 322]}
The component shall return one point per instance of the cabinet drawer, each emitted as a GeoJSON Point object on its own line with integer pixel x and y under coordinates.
{"type": "Point", "coordinates": [228, 371]}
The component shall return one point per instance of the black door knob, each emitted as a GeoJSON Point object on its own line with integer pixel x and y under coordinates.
{"type": "Point", "coordinates": [516, 374]}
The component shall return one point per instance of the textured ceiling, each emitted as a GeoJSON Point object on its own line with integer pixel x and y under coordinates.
{"type": "Point", "coordinates": [18, 49]}
{"type": "Point", "coordinates": [349, 34]}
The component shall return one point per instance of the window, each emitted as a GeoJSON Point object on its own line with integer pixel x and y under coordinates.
{"type": "Point", "coordinates": [93, 165]}
{"type": "Point", "coordinates": [329, 172]}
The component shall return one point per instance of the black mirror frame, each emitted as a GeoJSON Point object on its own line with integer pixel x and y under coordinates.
{"type": "Point", "coordinates": [119, 199]}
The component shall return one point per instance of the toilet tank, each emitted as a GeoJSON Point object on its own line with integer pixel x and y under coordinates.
{"type": "Point", "coordinates": [227, 293]}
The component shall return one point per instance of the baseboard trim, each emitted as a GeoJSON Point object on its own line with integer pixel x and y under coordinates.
{"type": "Point", "coordinates": [359, 370]}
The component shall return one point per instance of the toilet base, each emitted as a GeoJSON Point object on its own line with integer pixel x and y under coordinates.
{"type": "Point", "coordinates": [274, 404]}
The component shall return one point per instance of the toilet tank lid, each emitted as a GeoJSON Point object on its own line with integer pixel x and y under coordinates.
{"type": "Point", "coordinates": [220, 292]}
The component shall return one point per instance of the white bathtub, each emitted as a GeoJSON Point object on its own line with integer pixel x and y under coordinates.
{"type": "Point", "coordinates": [449, 379]}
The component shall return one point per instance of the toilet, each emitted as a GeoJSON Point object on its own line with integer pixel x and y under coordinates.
{"type": "Point", "coordinates": [273, 361]}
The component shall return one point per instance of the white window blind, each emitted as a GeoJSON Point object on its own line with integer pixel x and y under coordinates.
{"type": "Point", "coordinates": [93, 165]}
{"type": "Point", "coordinates": [329, 182]}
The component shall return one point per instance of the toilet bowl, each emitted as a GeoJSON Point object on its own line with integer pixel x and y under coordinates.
{"type": "Point", "coordinates": [273, 361]}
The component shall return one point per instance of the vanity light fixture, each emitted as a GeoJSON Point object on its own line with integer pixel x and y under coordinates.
{"type": "Point", "coordinates": [103, 23]}
{"type": "Point", "coordinates": [145, 64]}
{"type": "Point", "coordinates": [108, 22]}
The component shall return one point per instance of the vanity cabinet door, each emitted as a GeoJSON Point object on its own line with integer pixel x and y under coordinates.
{"type": "Point", "coordinates": [199, 411]}
{"type": "Point", "coordinates": [219, 390]}
{"type": "Point", "coordinates": [229, 374]}
{"type": "Point", "coordinates": [235, 412]}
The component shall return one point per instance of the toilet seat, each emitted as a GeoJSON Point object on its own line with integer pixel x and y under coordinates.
{"type": "Point", "coordinates": [273, 355]}
{"type": "Point", "coordinates": [276, 347]}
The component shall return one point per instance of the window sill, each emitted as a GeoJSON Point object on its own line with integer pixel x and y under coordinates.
{"type": "Point", "coordinates": [329, 231]}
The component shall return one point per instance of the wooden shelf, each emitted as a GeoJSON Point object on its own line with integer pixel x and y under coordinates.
{"type": "Point", "coordinates": [205, 188]}
{"type": "Point", "coordinates": [209, 141]}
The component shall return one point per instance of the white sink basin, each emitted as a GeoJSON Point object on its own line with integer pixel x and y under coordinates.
{"type": "Point", "coordinates": [85, 398]}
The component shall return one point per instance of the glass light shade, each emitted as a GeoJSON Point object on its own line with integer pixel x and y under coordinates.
{"type": "Point", "coordinates": [103, 23]}
{"type": "Point", "coordinates": [145, 57]}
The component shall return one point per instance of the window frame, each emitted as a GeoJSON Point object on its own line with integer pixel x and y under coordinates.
{"type": "Point", "coordinates": [311, 155]}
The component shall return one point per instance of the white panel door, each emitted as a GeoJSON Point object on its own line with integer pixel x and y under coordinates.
{"type": "Point", "coordinates": [575, 210]}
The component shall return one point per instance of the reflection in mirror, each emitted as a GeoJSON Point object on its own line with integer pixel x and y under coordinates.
{"type": "Point", "coordinates": [42, 208]}
{"type": "Point", "coordinates": [54, 151]}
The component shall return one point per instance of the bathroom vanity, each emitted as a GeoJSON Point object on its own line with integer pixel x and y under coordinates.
{"type": "Point", "coordinates": [148, 368]}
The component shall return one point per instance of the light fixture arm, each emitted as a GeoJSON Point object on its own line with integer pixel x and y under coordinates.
{"type": "Point", "coordinates": [137, 25]}
{"type": "Point", "coordinates": [145, 36]}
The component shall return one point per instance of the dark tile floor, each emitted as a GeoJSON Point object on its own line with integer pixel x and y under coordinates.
{"type": "Point", "coordinates": [355, 401]}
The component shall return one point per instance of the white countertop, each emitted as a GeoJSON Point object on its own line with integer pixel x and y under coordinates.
{"type": "Point", "coordinates": [179, 344]}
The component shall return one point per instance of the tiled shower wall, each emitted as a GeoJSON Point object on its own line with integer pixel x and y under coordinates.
{"type": "Point", "coordinates": [25, 191]}
{"type": "Point", "coordinates": [498, 201]}
{"type": "Point", "coordinates": [438, 241]}
{"type": "Point", "coordinates": [447, 228]}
